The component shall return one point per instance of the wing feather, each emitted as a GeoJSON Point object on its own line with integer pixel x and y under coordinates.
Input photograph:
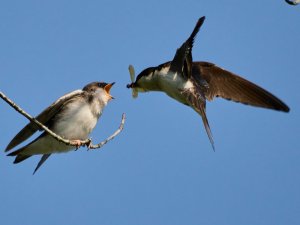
{"type": "Point", "coordinates": [222, 83]}
{"type": "Point", "coordinates": [182, 61]}
{"type": "Point", "coordinates": [44, 117]}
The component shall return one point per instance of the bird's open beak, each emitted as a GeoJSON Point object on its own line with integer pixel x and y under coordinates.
{"type": "Point", "coordinates": [107, 89]}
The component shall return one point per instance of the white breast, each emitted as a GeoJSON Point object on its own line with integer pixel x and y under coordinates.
{"type": "Point", "coordinates": [77, 122]}
{"type": "Point", "coordinates": [173, 84]}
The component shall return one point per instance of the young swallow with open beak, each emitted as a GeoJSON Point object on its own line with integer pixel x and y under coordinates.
{"type": "Point", "coordinates": [192, 83]}
{"type": "Point", "coordinates": [73, 116]}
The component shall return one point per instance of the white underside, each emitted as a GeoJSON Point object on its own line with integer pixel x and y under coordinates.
{"type": "Point", "coordinates": [173, 85]}
{"type": "Point", "coordinates": [77, 123]}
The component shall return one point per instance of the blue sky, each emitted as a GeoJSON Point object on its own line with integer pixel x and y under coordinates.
{"type": "Point", "coordinates": [161, 169]}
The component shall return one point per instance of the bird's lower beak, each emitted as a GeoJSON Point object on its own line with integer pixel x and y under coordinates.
{"type": "Point", "coordinates": [134, 88]}
{"type": "Point", "coordinates": [130, 85]}
{"type": "Point", "coordinates": [108, 87]}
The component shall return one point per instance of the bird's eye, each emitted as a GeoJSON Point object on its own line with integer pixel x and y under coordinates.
{"type": "Point", "coordinates": [100, 85]}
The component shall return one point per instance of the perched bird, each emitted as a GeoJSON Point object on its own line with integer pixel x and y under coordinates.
{"type": "Point", "coordinates": [192, 83]}
{"type": "Point", "coordinates": [73, 116]}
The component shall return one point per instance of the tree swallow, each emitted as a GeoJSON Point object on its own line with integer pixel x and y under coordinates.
{"type": "Point", "coordinates": [192, 83]}
{"type": "Point", "coordinates": [73, 116]}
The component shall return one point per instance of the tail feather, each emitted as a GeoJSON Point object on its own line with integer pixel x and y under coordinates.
{"type": "Point", "coordinates": [197, 102]}
{"type": "Point", "coordinates": [15, 153]}
{"type": "Point", "coordinates": [207, 128]}
{"type": "Point", "coordinates": [19, 156]}
{"type": "Point", "coordinates": [43, 159]}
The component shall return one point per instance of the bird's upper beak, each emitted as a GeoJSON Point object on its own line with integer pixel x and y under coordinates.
{"type": "Point", "coordinates": [108, 87]}
{"type": "Point", "coordinates": [130, 85]}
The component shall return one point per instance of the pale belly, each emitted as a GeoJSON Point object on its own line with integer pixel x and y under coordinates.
{"type": "Point", "coordinates": [174, 86]}
{"type": "Point", "coordinates": [75, 125]}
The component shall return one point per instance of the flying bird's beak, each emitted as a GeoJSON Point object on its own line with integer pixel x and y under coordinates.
{"type": "Point", "coordinates": [134, 87]}
{"type": "Point", "coordinates": [130, 85]}
{"type": "Point", "coordinates": [107, 89]}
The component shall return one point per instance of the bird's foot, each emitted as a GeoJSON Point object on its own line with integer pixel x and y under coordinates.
{"type": "Point", "coordinates": [76, 143]}
{"type": "Point", "coordinates": [89, 144]}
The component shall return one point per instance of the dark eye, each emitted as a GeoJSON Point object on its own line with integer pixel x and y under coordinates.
{"type": "Point", "coordinates": [101, 85]}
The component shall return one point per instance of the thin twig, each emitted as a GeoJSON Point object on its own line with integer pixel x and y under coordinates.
{"type": "Point", "coordinates": [121, 127]}
{"type": "Point", "coordinates": [86, 142]}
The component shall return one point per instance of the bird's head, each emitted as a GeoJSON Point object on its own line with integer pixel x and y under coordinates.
{"type": "Point", "coordinates": [100, 90]}
{"type": "Point", "coordinates": [145, 81]}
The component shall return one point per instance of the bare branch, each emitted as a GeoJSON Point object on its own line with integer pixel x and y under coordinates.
{"type": "Point", "coordinates": [86, 142]}
{"type": "Point", "coordinates": [121, 127]}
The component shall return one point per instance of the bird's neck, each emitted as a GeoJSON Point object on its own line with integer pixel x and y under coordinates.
{"type": "Point", "coordinates": [97, 107]}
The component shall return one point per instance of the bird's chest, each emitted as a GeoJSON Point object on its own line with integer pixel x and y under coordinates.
{"type": "Point", "coordinates": [174, 85]}
{"type": "Point", "coordinates": [77, 122]}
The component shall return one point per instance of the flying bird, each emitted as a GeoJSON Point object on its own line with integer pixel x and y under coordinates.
{"type": "Point", "coordinates": [73, 116]}
{"type": "Point", "coordinates": [192, 83]}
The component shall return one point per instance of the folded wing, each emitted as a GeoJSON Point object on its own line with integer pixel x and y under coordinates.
{"type": "Point", "coordinates": [44, 117]}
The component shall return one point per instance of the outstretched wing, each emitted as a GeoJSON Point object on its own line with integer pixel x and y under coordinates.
{"type": "Point", "coordinates": [222, 83]}
{"type": "Point", "coordinates": [44, 117]}
{"type": "Point", "coordinates": [182, 61]}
